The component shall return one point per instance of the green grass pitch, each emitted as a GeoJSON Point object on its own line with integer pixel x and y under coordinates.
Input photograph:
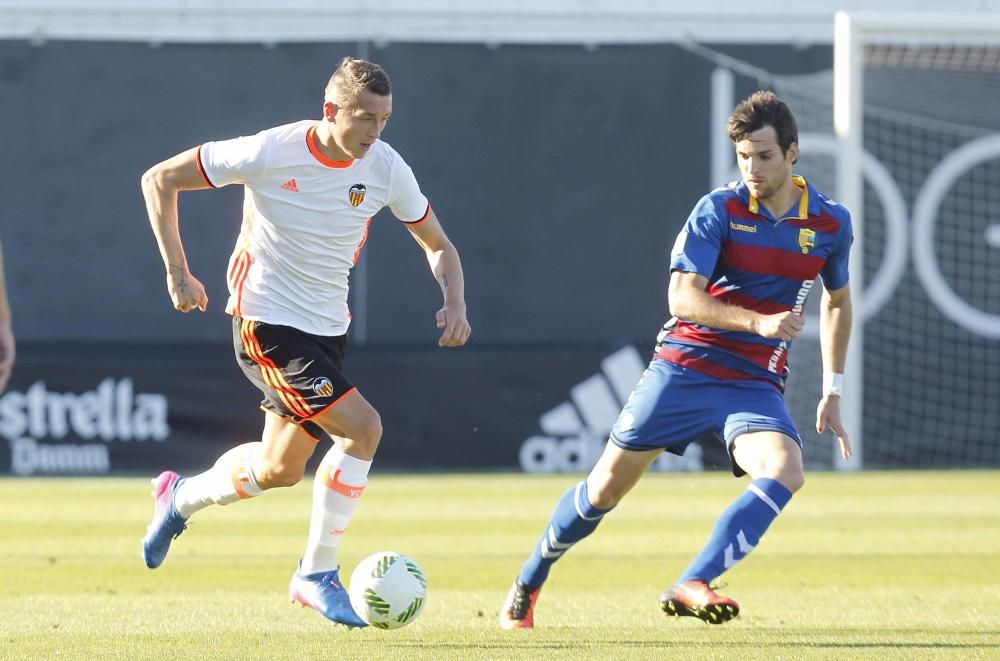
{"type": "Point", "coordinates": [901, 565]}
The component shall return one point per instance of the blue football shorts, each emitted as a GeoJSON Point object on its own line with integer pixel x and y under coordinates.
{"type": "Point", "coordinates": [672, 406]}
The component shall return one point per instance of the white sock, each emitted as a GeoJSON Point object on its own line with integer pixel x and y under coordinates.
{"type": "Point", "coordinates": [338, 486]}
{"type": "Point", "coordinates": [229, 480]}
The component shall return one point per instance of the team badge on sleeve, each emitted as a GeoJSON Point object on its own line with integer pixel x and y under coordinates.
{"type": "Point", "coordinates": [357, 194]}
{"type": "Point", "coordinates": [807, 240]}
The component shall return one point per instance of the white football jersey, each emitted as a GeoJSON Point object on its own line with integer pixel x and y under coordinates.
{"type": "Point", "coordinates": [305, 220]}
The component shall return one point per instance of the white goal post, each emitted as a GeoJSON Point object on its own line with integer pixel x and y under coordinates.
{"type": "Point", "coordinates": [853, 32]}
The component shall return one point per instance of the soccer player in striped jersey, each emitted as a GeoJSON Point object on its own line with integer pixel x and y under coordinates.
{"type": "Point", "coordinates": [741, 269]}
{"type": "Point", "coordinates": [311, 189]}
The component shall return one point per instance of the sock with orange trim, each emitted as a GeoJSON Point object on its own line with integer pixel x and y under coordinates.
{"type": "Point", "coordinates": [338, 486]}
{"type": "Point", "coordinates": [229, 480]}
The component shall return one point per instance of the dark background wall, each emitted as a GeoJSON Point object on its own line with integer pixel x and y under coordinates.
{"type": "Point", "coordinates": [561, 173]}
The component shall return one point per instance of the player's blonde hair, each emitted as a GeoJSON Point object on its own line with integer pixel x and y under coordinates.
{"type": "Point", "coordinates": [352, 78]}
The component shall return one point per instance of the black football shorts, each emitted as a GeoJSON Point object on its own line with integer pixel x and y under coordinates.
{"type": "Point", "coordinates": [298, 372]}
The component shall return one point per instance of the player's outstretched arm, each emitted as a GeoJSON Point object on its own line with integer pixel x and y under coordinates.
{"type": "Point", "coordinates": [7, 350]}
{"type": "Point", "coordinates": [447, 269]}
{"type": "Point", "coordinates": [160, 186]}
{"type": "Point", "coordinates": [834, 333]}
{"type": "Point", "coordinates": [689, 301]}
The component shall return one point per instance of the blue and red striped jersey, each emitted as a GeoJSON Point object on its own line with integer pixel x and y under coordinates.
{"type": "Point", "coordinates": [759, 262]}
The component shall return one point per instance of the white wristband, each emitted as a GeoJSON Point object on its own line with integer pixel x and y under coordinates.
{"type": "Point", "coordinates": [833, 384]}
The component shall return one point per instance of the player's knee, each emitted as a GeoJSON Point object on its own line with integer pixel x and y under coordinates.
{"type": "Point", "coordinates": [273, 474]}
{"type": "Point", "coordinates": [603, 492]}
{"type": "Point", "coordinates": [365, 436]}
{"type": "Point", "coordinates": [793, 480]}
{"type": "Point", "coordinates": [788, 473]}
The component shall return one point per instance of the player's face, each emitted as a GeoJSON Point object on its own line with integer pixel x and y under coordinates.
{"type": "Point", "coordinates": [359, 124]}
{"type": "Point", "coordinates": [765, 170]}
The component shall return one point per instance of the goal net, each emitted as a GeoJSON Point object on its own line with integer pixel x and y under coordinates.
{"type": "Point", "coordinates": [918, 96]}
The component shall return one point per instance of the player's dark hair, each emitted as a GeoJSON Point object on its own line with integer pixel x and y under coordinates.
{"type": "Point", "coordinates": [353, 77]}
{"type": "Point", "coordinates": [759, 110]}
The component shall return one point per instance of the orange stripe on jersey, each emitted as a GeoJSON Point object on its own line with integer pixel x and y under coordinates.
{"type": "Point", "coordinates": [272, 374]}
{"type": "Point", "coordinates": [238, 276]}
{"type": "Point", "coordinates": [313, 144]}
{"type": "Point", "coordinates": [364, 239]}
{"type": "Point", "coordinates": [201, 168]}
{"type": "Point", "coordinates": [240, 261]}
{"type": "Point", "coordinates": [237, 262]}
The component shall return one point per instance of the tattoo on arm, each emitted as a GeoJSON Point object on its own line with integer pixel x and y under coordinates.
{"type": "Point", "coordinates": [444, 280]}
{"type": "Point", "coordinates": [179, 272]}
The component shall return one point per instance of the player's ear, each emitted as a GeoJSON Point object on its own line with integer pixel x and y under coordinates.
{"type": "Point", "coordinates": [329, 111]}
{"type": "Point", "coordinates": [793, 152]}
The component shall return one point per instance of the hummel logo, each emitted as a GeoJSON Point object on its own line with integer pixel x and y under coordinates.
{"type": "Point", "coordinates": [576, 431]}
{"type": "Point", "coordinates": [290, 185]}
{"type": "Point", "coordinates": [729, 558]}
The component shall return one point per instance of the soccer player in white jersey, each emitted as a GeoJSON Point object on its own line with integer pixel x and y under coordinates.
{"type": "Point", "coordinates": [311, 189]}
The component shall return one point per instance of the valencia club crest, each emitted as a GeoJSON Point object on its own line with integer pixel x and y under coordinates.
{"type": "Point", "coordinates": [357, 194]}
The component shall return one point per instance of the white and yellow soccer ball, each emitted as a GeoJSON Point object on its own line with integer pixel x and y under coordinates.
{"type": "Point", "coordinates": [388, 590]}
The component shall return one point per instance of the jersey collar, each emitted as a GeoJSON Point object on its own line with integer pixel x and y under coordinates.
{"type": "Point", "coordinates": [807, 202]}
{"type": "Point", "coordinates": [313, 143]}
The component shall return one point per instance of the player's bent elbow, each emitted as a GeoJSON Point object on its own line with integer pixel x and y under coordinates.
{"type": "Point", "coordinates": [151, 180]}
{"type": "Point", "coordinates": [157, 179]}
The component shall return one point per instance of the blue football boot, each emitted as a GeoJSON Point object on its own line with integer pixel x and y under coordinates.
{"type": "Point", "coordinates": [325, 593]}
{"type": "Point", "coordinates": [167, 522]}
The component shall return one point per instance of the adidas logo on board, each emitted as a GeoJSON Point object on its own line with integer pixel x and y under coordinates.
{"type": "Point", "coordinates": [576, 431]}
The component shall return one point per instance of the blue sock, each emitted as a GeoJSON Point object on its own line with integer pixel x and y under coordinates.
{"type": "Point", "coordinates": [739, 529]}
{"type": "Point", "coordinates": [573, 519]}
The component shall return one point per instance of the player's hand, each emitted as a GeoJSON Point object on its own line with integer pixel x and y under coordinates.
{"type": "Point", "coordinates": [782, 326]}
{"type": "Point", "coordinates": [456, 329]}
{"type": "Point", "coordinates": [7, 351]}
{"type": "Point", "coordinates": [186, 292]}
{"type": "Point", "coordinates": [828, 415]}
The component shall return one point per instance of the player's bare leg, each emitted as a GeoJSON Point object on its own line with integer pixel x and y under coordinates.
{"type": "Point", "coordinates": [577, 514]}
{"type": "Point", "coordinates": [616, 472]}
{"type": "Point", "coordinates": [246, 471]}
{"type": "Point", "coordinates": [774, 461]}
{"type": "Point", "coordinates": [285, 449]}
{"type": "Point", "coordinates": [340, 481]}
{"type": "Point", "coordinates": [770, 455]}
